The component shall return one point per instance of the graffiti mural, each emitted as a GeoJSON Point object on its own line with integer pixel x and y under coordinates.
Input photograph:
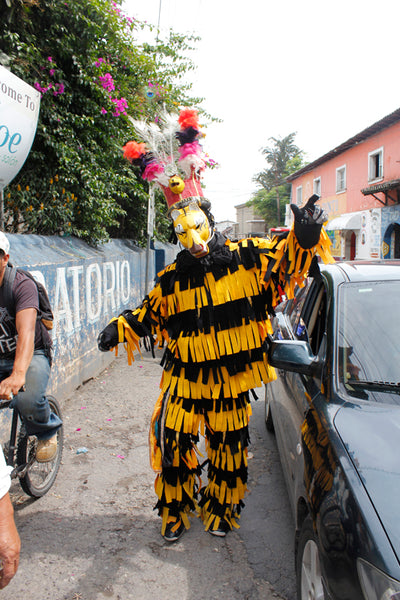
{"type": "Point", "coordinates": [86, 287]}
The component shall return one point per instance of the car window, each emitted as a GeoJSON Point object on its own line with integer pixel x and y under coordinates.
{"type": "Point", "coordinates": [296, 306]}
{"type": "Point", "coordinates": [313, 316]}
{"type": "Point", "coordinates": [368, 340]}
{"type": "Point", "coordinates": [317, 323]}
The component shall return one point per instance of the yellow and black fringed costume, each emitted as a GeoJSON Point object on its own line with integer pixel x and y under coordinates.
{"type": "Point", "coordinates": [213, 315]}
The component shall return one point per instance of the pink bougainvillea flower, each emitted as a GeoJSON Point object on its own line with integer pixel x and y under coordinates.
{"type": "Point", "coordinates": [103, 111]}
{"type": "Point", "coordinates": [59, 89]}
{"type": "Point", "coordinates": [49, 58]}
{"type": "Point", "coordinates": [41, 89]}
{"type": "Point", "coordinates": [107, 82]}
{"type": "Point", "coordinates": [120, 106]}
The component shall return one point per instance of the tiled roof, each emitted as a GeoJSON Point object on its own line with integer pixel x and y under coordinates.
{"type": "Point", "coordinates": [384, 123]}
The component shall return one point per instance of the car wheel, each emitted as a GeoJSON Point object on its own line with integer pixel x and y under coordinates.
{"type": "Point", "coordinates": [308, 565]}
{"type": "Point", "coordinates": [269, 424]}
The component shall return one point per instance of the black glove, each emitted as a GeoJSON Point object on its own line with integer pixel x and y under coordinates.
{"type": "Point", "coordinates": [308, 222]}
{"type": "Point", "coordinates": [108, 338]}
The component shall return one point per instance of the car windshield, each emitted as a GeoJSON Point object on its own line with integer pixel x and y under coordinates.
{"type": "Point", "coordinates": [368, 341]}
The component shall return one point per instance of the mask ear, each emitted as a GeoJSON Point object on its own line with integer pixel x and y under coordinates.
{"type": "Point", "coordinates": [174, 214]}
{"type": "Point", "coordinates": [296, 211]}
{"type": "Point", "coordinates": [193, 206]}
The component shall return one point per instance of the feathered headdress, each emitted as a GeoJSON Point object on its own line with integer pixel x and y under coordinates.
{"type": "Point", "coordinates": [170, 155]}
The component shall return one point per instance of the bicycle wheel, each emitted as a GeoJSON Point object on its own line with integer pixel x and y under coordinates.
{"type": "Point", "coordinates": [37, 478]}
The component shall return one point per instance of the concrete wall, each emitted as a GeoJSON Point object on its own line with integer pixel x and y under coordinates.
{"type": "Point", "coordinates": [248, 223]}
{"type": "Point", "coordinates": [86, 286]}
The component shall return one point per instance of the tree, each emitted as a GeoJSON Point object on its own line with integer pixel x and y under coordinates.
{"type": "Point", "coordinates": [283, 158]}
{"type": "Point", "coordinates": [92, 73]}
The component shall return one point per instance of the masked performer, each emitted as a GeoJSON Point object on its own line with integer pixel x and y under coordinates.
{"type": "Point", "coordinates": [211, 309]}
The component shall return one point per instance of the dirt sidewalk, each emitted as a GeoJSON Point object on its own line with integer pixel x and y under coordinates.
{"type": "Point", "coordinates": [95, 534]}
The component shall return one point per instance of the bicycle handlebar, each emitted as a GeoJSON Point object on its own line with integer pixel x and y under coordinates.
{"type": "Point", "coordinates": [12, 396]}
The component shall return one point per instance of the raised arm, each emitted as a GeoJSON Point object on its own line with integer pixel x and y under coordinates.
{"type": "Point", "coordinates": [289, 259]}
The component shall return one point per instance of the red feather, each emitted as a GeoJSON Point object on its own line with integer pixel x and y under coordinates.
{"type": "Point", "coordinates": [134, 150]}
{"type": "Point", "coordinates": [188, 117]}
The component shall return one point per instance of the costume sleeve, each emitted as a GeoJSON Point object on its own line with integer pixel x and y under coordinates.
{"type": "Point", "coordinates": [144, 322]}
{"type": "Point", "coordinates": [285, 264]}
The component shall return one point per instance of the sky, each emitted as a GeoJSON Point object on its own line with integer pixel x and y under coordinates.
{"type": "Point", "coordinates": [268, 68]}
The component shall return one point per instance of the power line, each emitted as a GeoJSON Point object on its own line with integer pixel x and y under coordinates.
{"type": "Point", "coordinates": [159, 19]}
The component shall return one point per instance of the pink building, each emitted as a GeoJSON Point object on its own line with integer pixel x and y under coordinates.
{"type": "Point", "coordinates": [359, 185]}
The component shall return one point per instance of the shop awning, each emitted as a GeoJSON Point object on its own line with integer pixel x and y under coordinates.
{"type": "Point", "coordinates": [344, 222]}
{"type": "Point", "coordinates": [391, 190]}
{"type": "Point", "coordinates": [387, 186]}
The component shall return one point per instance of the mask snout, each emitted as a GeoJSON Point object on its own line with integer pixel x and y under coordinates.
{"type": "Point", "coordinates": [196, 246]}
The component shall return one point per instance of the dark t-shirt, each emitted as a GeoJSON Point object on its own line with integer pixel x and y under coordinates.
{"type": "Point", "coordinates": [25, 295]}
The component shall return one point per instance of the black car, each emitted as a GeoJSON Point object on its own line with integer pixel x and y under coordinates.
{"type": "Point", "coordinates": [335, 410]}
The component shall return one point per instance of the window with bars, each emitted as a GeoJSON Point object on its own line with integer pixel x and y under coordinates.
{"type": "Point", "coordinates": [299, 195]}
{"type": "Point", "coordinates": [341, 179]}
{"type": "Point", "coordinates": [375, 165]}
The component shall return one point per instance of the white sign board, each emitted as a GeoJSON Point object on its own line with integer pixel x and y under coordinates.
{"type": "Point", "coordinates": [19, 113]}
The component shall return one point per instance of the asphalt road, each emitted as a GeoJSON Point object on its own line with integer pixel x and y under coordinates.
{"type": "Point", "coordinates": [95, 534]}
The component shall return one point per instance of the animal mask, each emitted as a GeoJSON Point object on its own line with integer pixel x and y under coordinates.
{"type": "Point", "coordinates": [192, 229]}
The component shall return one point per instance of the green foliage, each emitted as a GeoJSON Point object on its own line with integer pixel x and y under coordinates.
{"type": "Point", "coordinates": [283, 158]}
{"type": "Point", "coordinates": [265, 204]}
{"type": "Point", "coordinates": [85, 60]}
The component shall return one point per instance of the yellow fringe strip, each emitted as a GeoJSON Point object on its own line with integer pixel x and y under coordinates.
{"type": "Point", "coordinates": [213, 345]}
{"type": "Point", "coordinates": [231, 420]}
{"type": "Point", "coordinates": [257, 373]}
{"type": "Point", "coordinates": [174, 493]}
{"type": "Point", "coordinates": [167, 518]}
{"type": "Point", "coordinates": [222, 458]}
{"type": "Point", "coordinates": [127, 337]}
{"type": "Point", "coordinates": [212, 522]}
{"type": "Point", "coordinates": [154, 450]}
{"type": "Point", "coordinates": [227, 495]}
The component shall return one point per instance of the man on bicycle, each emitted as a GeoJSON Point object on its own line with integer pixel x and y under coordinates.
{"type": "Point", "coordinates": [25, 359]}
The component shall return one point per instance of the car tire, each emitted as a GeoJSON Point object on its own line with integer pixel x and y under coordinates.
{"type": "Point", "coordinates": [269, 424]}
{"type": "Point", "coordinates": [308, 564]}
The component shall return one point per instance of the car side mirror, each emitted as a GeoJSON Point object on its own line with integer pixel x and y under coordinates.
{"type": "Point", "coordinates": [294, 355]}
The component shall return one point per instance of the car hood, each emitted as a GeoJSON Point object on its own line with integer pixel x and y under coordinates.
{"type": "Point", "coordinates": [371, 434]}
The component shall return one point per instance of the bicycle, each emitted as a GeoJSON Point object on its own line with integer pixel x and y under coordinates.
{"type": "Point", "coordinates": [20, 453]}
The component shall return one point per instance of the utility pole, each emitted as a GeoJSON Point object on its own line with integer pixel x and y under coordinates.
{"type": "Point", "coordinates": [150, 231]}
{"type": "Point", "coordinates": [159, 19]}
{"type": "Point", "coordinates": [150, 205]}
